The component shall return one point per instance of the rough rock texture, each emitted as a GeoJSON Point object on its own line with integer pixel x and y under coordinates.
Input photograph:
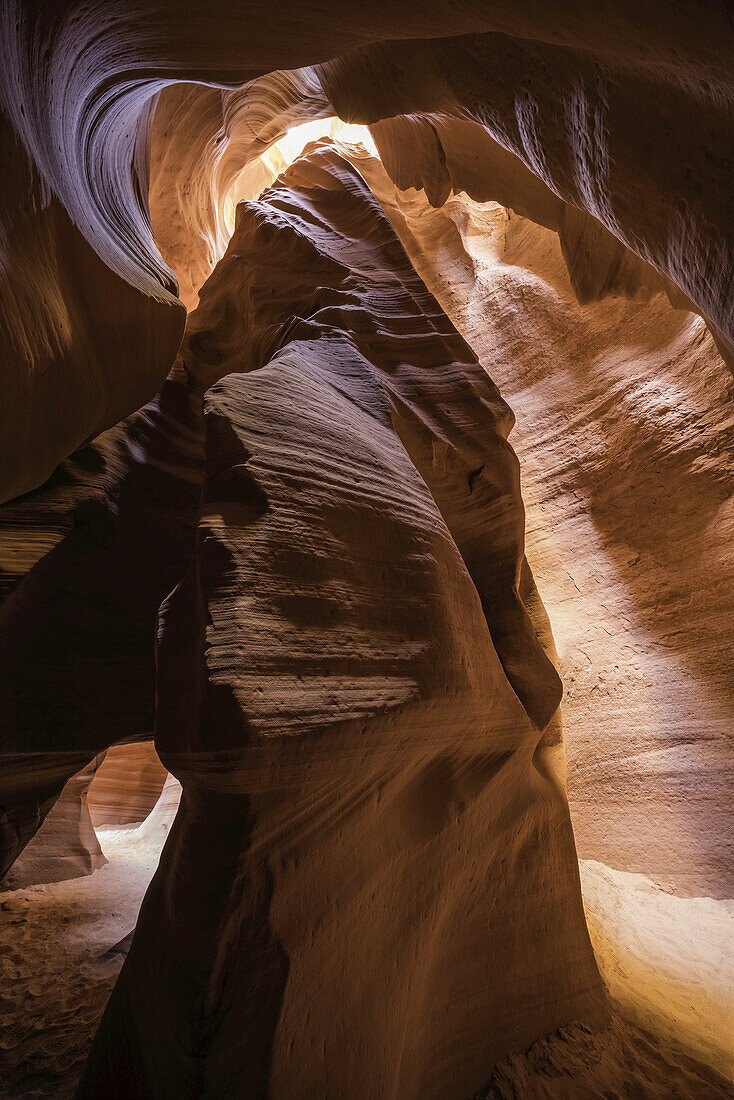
{"type": "Point", "coordinates": [89, 320]}
{"type": "Point", "coordinates": [126, 786]}
{"type": "Point", "coordinates": [373, 858]}
{"type": "Point", "coordinates": [193, 185]}
{"type": "Point", "coordinates": [504, 284]}
{"type": "Point", "coordinates": [625, 441]}
{"type": "Point", "coordinates": [622, 1061]}
{"type": "Point", "coordinates": [627, 411]}
{"type": "Point", "coordinates": [612, 128]}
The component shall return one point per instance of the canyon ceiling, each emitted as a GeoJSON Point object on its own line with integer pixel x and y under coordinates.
{"type": "Point", "coordinates": [359, 470]}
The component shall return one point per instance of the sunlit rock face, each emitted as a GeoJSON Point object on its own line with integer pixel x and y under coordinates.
{"type": "Point", "coordinates": [621, 114]}
{"type": "Point", "coordinates": [66, 845]}
{"type": "Point", "coordinates": [625, 449]}
{"type": "Point", "coordinates": [625, 440]}
{"type": "Point", "coordinates": [595, 127]}
{"type": "Point", "coordinates": [119, 787]}
{"type": "Point", "coordinates": [373, 855]}
{"type": "Point", "coordinates": [598, 296]}
{"type": "Point", "coordinates": [126, 786]}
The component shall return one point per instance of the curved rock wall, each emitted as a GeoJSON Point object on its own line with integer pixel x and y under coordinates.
{"type": "Point", "coordinates": [621, 114]}
{"type": "Point", "coordinates": [625, 442]}
{"type": "Point", "coordinates": [603, 133]}
{"type": "Point", "coordinates": [126, 786]}
{"type": "Point", "coordinates": [614, 130]}
{"type": "Point", "coordinates": [66, 844]}
{"type": "Point", "coordinates": [77, 629]}
{"type": "Point", "coordinates": [351, 747]}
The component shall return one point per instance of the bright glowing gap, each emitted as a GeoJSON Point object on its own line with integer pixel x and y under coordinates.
{"type": "Point", "coordinates": [259, 174]}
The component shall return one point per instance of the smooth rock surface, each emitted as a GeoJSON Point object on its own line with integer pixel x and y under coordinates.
{"type": "Point", "coordinates": [66, 845]}
{"type": "Point", "coordinates": [126, 786]}
{"type": "Point", "coordinates": [373, 844]}
{"type": "Point", "coordinates": [625, 444]}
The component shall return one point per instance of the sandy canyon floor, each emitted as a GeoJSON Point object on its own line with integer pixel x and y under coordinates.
{"type": "Point", "coordinates": [58, 964]}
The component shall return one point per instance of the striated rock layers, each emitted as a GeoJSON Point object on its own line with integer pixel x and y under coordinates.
{"type": "Point", "coordinates": [126, 785]}
{"type": "Point", "coordinates": [623, 112]}
{"type": "Point", "coordinates": [371, 886]}
{"type": "Point", "coordinates": [356, 682]}
{"type": "Point", "coordinates": [625, 439]}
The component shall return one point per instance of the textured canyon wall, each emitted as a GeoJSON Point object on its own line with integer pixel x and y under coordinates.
{"type": "Point", "coordinates": [599, 130]}
{"type": "Point", "coordinates": [90, 317]}
{"type": "Point", "coordinates": [621, 114]}
{"type": "Point", "coordinates": [507, 305]}
{"type": "Point", "coordinates": [625, 438]}
{"type": "Point", "coordinates": [368, 788]}
{"type": "Point", "coordinates": [118, 788]}
{"type": "Point", "coordinates": [126, 786]}
{"type": "Point", "coordinates": [626, 453]}
{"type": "Point", "coordinates": [66, 845]}
{"type": "Point", "coordinates": [613, 133]}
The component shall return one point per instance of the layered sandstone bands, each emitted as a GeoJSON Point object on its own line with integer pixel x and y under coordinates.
{"type": "Point", "coordinates": [624, 437]}
{"type": "Point", "coordinates": [127, 786]}
{"type": "Point", "coordinates": [360, 548]}
{"type": "Point", "coordinates": [625, 445]}
{"type": "Point", "coordinates": [118, 788]}
{"type": "Point", "coordinates": [351, 747]}
{"type": "Point", "coordinates": [614, 117]}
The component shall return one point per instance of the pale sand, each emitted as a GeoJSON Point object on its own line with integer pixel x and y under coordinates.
{"type": "Point", "coordinates": [657, 953]}
{"type": "Point", "coordinates": [56, 969]}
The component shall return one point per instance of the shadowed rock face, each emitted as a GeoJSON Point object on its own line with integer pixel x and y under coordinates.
{"type": "Point", "coordinates": [363, 803]}
{"type": "Point", "coordinates": [77, 626]}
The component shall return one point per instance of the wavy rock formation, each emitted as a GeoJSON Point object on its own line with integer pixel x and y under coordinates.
{"type": "Point", "coordinates": [191, 182]}
{"type": "Point", "coordinates": [626, 412]}
{"type": "Point", "coordinates": [621, 113]}
{"type": "Point", "coordinates": [358, 683]}
{"type": "Point", "coordinates": [194, 184]}
{"type": "Point", "coordinates": [625, 444]}
{"type": "Point", "coordinates": [126, 786]}
{"type": "Point", "coordinates": [367, 695]}
{"type": "Point", "coordinates": [596, 127]}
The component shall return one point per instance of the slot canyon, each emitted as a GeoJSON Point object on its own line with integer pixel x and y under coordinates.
{"type": "Point", "coordinates": [366, 516]}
